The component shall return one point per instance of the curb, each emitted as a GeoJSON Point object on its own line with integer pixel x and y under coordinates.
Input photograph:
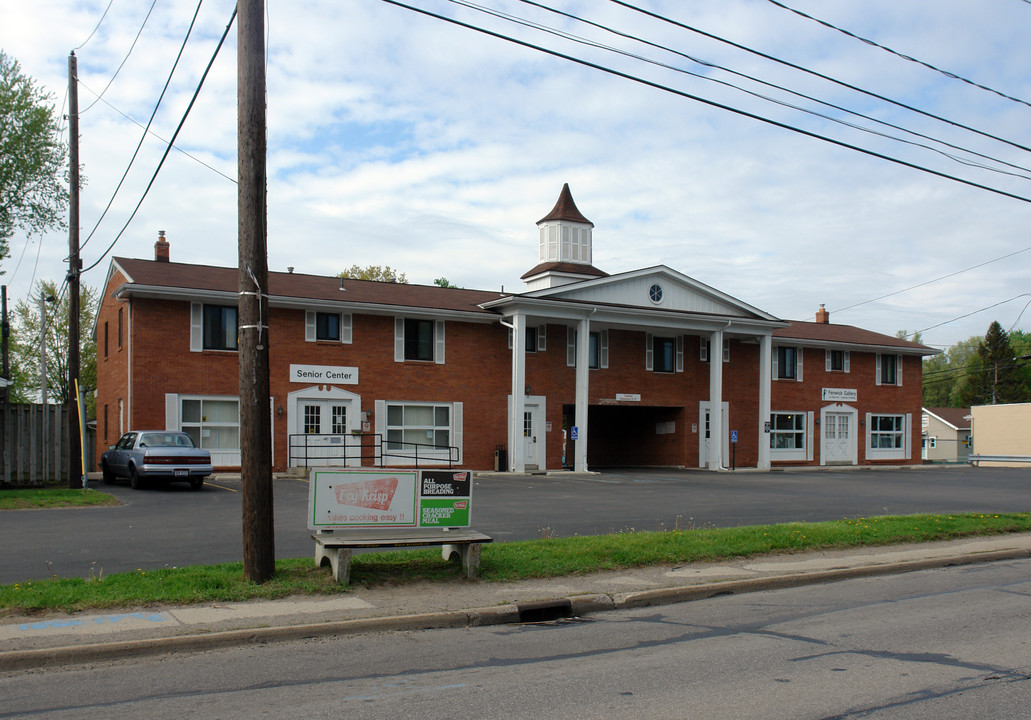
{"type": "Point", "coordinates": [572, 606]}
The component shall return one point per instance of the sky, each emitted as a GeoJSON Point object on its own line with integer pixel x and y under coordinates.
{"type": "Point", "coordinates": [399, 139]}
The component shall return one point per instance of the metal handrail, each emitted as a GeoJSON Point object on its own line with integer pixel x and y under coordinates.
{"type": "Point", "coordinates": [379, 447]}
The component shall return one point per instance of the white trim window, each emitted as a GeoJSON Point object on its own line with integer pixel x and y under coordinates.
{"type": "Point", "coordinates": [418, 339]}
{"type": "Point", "coordinates": [887, 436]}
{"type": "Point", "coordinates": [703, 349]}
{"type": "Point", "coordinates": [787, 363]}
{"type": "Point", "coordinates": [789, 436]}
{"type": "Point", "coordinates": [425, 431]}
{"type": "Point", "coordinates": [327, 327]}
{"type": "Point", "coordinates": [837, 361]}
{"type": "Point", "coordinates": [212, 327]}
{"type": "Point", "coordinates": [888, 370]}
{"type": "Point", "coordinates": [663, 354]}
{"type": "Point", "coordinates": [536, 338]}
{"type": "Point", "coordinates": [214, 424]}
{"type": "Point", "coordinates": [597, 350]}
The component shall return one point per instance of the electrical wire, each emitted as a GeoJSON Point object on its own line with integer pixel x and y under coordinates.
{"type": "Point", "coordinates": [711, 103]}
{"type": "Point", "coordinates": [124, 60]}
{"type": "Point", "coordinates": [946, 73]}
{"type": "Point", "coordinates": [781, 88]}
{"type": "Point", "coordinates": [143, 137]}
{"type": "Point", "coordinates": [101, 20]}
{"type": "Point", "coordinates": [928, 282]}
{"type": "Point", "coordinates": [168, 149]}
{"type": "Point", "coordinates": [814, 73]}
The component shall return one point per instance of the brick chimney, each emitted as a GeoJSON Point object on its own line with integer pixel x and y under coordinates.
{"type": "Point", "coordinates": [822, 316]}
{"type": "Point", "coordinates": [161, 253]}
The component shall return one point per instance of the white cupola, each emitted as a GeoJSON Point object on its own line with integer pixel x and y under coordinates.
{"type": "Point", "coordinates": [564, 246]}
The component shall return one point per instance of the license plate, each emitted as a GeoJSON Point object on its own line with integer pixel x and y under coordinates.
{"type": "Point", "coordinates": [181, 473]}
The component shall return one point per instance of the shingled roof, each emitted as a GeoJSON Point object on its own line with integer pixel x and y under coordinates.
{"type": "Point", "coordinates": [205, 278]}
{"type": "Point", "coordinates": [826, 333]}
{"type": "Point", "coordinates": [565, 209]}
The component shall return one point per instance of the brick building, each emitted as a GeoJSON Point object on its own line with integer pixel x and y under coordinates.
{"type": "Point", "coordinates": [580, 369]}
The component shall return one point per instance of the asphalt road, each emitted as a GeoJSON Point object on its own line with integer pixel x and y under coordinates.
{"type": "Point", "coordinates": [176, 526]}
{"type": "Point", "coordinates": [947, 643]}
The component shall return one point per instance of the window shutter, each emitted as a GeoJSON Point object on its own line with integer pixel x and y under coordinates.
{"type": "Point", "coordinates": [898, 371]}
{"type": "Point", "coordinates": [511, 333]}
{"type": "Point", "coordinates": [869, 429]}
{"type": "Point", "coordinates": [171, 411]}
{"type": "Point", "coordinates": [570, 347]}
{"type": "Point", "coordinates": [603, 349]}
{"type": "Point", "coordinates": [877, 370]}
{"type": "Point", "coordinates": [809, 435]}
{"type": "Point", "coordinates": [703, 349]}
{"type": "Point", "coordinates": [908, 434]}
{"type": "Point", "coordinates": [196, 327]}
{"type": "Point", "coordinates": [846, 361]}
{"type": "Point", "coordinates": [774, 354]}
{"type": "Point", "coordinates": [345, 328]}
{"type": "Point", "coordinates": [399, 339]}
{"type": "Point", "coordinates": [380, 408]}
{"type": "Point", "coordinates": [309, 326]}
{"type": "Point", "coordinates": [827, 360]}
{"type": "Point", "coordinates": [649, 352]}
{"type": "Point", "coordinates": [456, 429]}
{"type": "Point", "coordinates": [438, 339]}
{"type": "Point", "coordinates": [680, 354]}
{"type": "Point", "coordinates": [798, 366]}
{"type": "Point", "coordinates": [726, 350]}
{"type": "Point", "coordinates": [542, 338]}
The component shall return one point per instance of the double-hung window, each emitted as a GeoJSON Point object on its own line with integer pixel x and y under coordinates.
{"type": "Point", "coordinates": [837, 361]}
{"type": "Point", "coordinates": [889, 369]}
{"type": "Point", "coordinates": [327, 327]}
{"type": "Point", "coordinates": [787, 363]}
{"type": "Point", "coordinates": [212, 327]}
{"type": "Point", "coordinates": [213, 423]}
{"type": "Point", "coordinates": [787, 434]}
{"type": "Point", "coordinates": [664, 354]}
{"type": "Point", "coordinates": [888, 436]}
{"type": "Point", "coordinates": [597, 349]}
{"type": "Point", "coordinates": [419, 340]}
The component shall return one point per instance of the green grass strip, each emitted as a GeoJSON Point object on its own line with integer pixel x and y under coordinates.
{"type": "Point", "coordinates": [40, 498]}
{"type": "Point", "coordinates": [544, 558]}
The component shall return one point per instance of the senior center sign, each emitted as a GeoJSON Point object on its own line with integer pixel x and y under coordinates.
{"type": "Point", "coordinates": [342, 499]}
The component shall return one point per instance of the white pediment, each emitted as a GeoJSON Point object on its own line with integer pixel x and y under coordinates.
{"type": "Point", "coordinates": [655, 288]}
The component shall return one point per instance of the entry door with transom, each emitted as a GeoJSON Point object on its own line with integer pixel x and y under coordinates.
{"type": "Point", "coordinates": [837, 438]}
{"type": "Point", "coordinates": [327, 439]}
{"type": "Point", "coordinates": [530, 434]}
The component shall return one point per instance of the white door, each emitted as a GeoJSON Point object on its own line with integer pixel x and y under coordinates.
{"type": "Point", "coordinates": [837, 438]}
{"type": "Point", "coordinates": [326, 434]}
{"type": "Point", "coordinates": [531, 432]}
{"type": "Point", "coordinates": [704, 439]}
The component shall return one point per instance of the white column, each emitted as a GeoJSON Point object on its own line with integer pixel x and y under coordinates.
{"type": "Point", "coordinates": [765, 393]}
{"type": "Point", "coordinates": [583, 361]}
{"type": "Point", "coordinates": [716, 430]}
{"type": "Point", "coordinates": [517, 406]}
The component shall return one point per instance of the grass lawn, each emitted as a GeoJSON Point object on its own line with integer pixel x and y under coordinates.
{"type": "Point", "coordinates": [52, 497]}
{"type": "Point", "coordinates": [543, 558]}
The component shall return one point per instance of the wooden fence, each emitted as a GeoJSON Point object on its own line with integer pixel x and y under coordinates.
{"type": "Point", "coordinates": [33, 444]}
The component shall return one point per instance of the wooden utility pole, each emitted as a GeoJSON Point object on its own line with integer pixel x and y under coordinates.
{"type": "Point", "coordinates": [259, 558]}
{"type": "Point", "coordinates": [75, 477]}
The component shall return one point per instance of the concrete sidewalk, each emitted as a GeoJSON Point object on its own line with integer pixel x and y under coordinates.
{"type": "Point", "coordinates": [62, 639]}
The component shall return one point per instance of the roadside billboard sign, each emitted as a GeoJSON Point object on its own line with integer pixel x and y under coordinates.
{"type": "Point", "coordinates": [344, 498]}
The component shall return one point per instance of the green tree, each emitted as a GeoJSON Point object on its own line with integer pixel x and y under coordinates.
{"type": "Point", "coordinates": [996, 376]}
{"type": "Point", "coordinates": [26, 362]}
{"type": "Point", "coordinates": [444, 283]}
{"type": "Point", "coordinates": [946, 376]}
{"type": "Point", "coordinates": [379, 273]}
{"type": "Point", "coordinates": [33, 194]}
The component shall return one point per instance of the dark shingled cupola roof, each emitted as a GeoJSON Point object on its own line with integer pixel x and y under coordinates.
{"type": "Point", "coordinates": [565, 209]}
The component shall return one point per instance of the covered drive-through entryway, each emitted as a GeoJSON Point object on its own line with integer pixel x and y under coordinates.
{"type": "Point", "coordinates": [624, 435]}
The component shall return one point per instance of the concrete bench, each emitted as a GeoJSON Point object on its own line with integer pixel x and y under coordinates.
{"type": "Point", "coordinates": [336, 547]}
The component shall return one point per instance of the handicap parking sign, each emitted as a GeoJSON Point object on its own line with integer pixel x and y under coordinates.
{"type": "Point", "coordinates": [733, 436]}
{"type": "Point", "coordinates": [574, 433]}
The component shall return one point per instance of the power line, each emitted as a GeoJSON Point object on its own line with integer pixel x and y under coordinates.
{"type": "Point", "coordinates": [143, 137]}
{"type": "Point", "coordinates": [169, 147]}
{"type": "Point", "coordinates": [928, 282]}
{"type": "Point", "coordinates": [814, 73]}
{"type": "Point", "coordinates": [946, 73]}
{"type": "Point", "coordinates": [124, 60]}
{"type": "Point", "coordinates": [101, 20]}
{"type": "Point", "coordinates": [712, 103]}
{"type": "Point", "coordinates": [765, 83]}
